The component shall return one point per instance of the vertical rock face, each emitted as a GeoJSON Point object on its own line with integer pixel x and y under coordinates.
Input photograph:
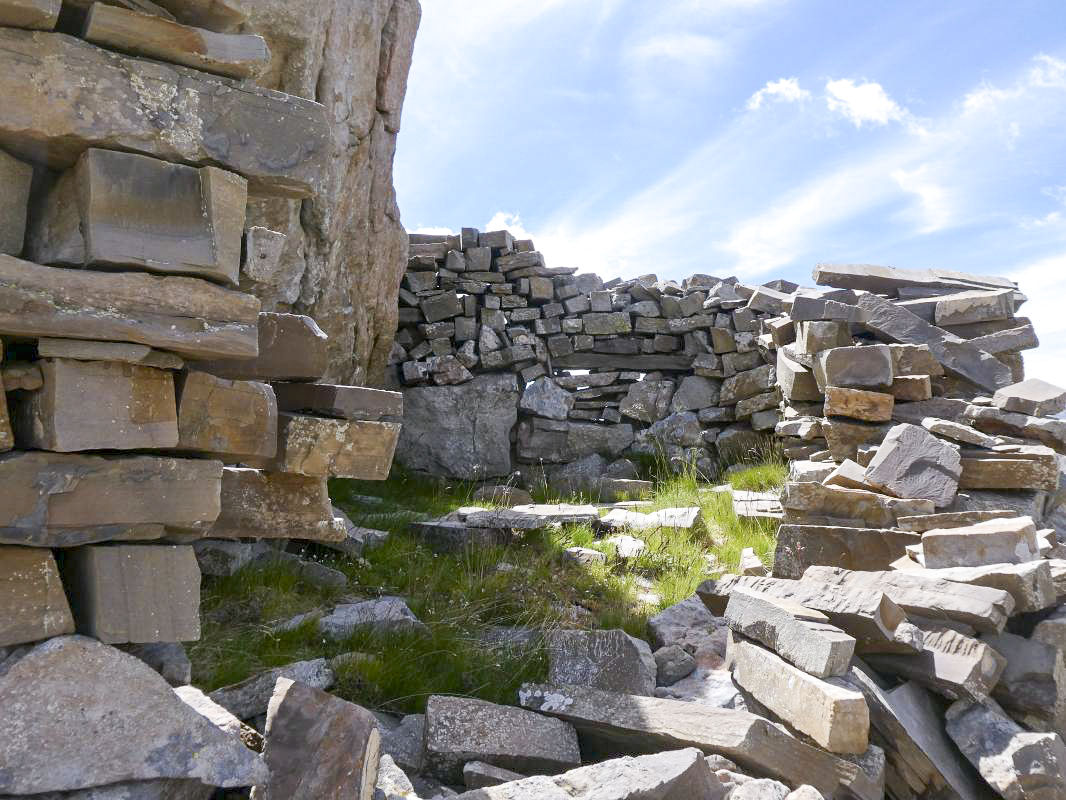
{"type": "Point", "coordinates": [346, 249]}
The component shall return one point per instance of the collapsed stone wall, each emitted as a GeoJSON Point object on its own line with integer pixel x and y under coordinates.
{"type": "Point", "coordinates": [148, 408]}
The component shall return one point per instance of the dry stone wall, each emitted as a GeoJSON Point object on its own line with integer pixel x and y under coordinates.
{"type": "Point", "coordinates": [152, 415]}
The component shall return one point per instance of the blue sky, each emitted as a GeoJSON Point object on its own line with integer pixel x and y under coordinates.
{"type": "Point", "coordinates": [750, 137]}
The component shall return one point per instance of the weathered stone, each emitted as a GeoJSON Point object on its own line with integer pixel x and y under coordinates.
{"type": "Point", "coordinates": [1033, 397]}
{"type": "Point", "coordinates": [612, 723]}
{"type": "Point", "coordinates": [747, 384]}
{"type": "Point", "coordinates": [545, 398]}
{"type": "Point", "coordinates": [844, 437]}
{"type": "Point", "coordinates": [219, 716]}
{"type": "Point", "coordinates": [849, 475]}
{"type": "Point", "coordinates": [912, 463]}
{"type": "Point", "coordinates": [479, 775]}
{"type": "Point", "coordinates": [606, 324]}
{"type": "Point", "coordinates": [169, 659]}
{"type": "Point", "coordinates": [611, 660]}
{"type": "Point", "coordinates": [672, 664]}
{"type": "Point", "coordinates": [888, 280]}
{"type": "Point", "coordinates": [867, 367]}
{"type": "Point", "coordinates": [463, 729]}
{"type": "Point", "coordinates": [33, 605]}
{"type": "Point", "coordinates": [958, 432]}
{"type": "Point", "coordinates": [875, 510]}
{"type": "Point", "coordinates": [383, 615]}
{"type": "Point", "coordinates": [251, 697]}
{"type": "Point", "coordinates": [1019, 765]}
{"type": "Point", "coordinates": [323, 447]}
{"type": "Point", "coordinates": [575, 440]}
{"type": "Point", "coordinates": [983, 608]}
{"type": "Point", "coordinates": [797, 382]}
{"type": "Point", "coordinates": [863, 549]}
{"type": "Point", "coordinates": [451, 536]}
{"type": "Point", "coordinates": [57, 692]}
{"type": "Point", "coordinates": [997, 541]}
{"type": "Point", "coordinates": [318, 746]}
{"type": "Point", "coordinates": [958, 357]}
{"type": "Point", "coordinates": [346, 402]}
{"type": "Point", "coordinates": [274, 505]}
{"type": "Point", "coordinates": [694, 393]}
{"type": "Point", "coordinates": [97, 405]}
{"type": "Point", "coordinates": [858, 404]}
{"type": "Point", "coordinates": [974, 306]}
{"type": "Point", "coordinates": [84, 350]}
{"type": "Point", "coordinates": [833, 716]}
{"type": "Point", "coordinates": [134, 593]}
{"type": "Point", "coordinates": [688, 624]}
{"type": "Point", "coordinates": [1033, 685]}
{"type": "Point", "coordinates": [799, 635]}
{"type": "Point", "coordinates": [912, 388]}
{"type": "Point", "coordinates": [812, 337]}
{"type": "Point", "coordinates": [60, 500]}
{"type": "Point", "coordinates": [15, 176]}
{"type": "Point", "coordinates": [262, 264]}
{"type": "Point", "coordinates": [437, 423]}
{"type": "Point", "coordinates": [226, 418]}
{"type": "Point", "coordinates": [186, 315]}
{"type": "Point", "coordinates": [117, 209]}
{"type": "Point", "coordinates": [950, 519]}
{"type": "Point", "coordinates": [1023, 467]}
{"type": "Point", "coordinates": [30, 14]}
{"type": "Point", "coordinates": [291, 348]}
{"type": "Point", "coordinates": [648, 401]}
{"type": "Point", "coordinates": [1050, 432]}
{"type": "Point", "coordinates": [1030, 584]}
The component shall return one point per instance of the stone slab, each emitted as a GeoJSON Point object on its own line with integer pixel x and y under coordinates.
{"type": "Point", "coordinates": [278, 142]}
{"type": "Point", "coordinates": [345, 402]}
{"type": "Point", "coordinates": [33, 605]}
{"type": "Point", "coordinates": [38, 15]}
{"type": "Point", "coordinates": [1030, 584]}
{"type": "Point", "coordinates": [324, 447]}
{"type": "Point", "coordinates": [912, 463]}
{"type": "Point", "coordinates": [858, 404]}
{"type": "Point", "coordinates": [215, 15]}
{"type": "Point", "coordinates": [226, 418]}
{"type": "Point", "coordinates": [16, 177]}
{"type": "Point", "coordinates": [250, 698]}
{"type": "Point", "coordinates": [611, 660]}
{"type": "Point", "coordinates": [867, 367]}
{"type": "Point", "coordinates": [291, 347]}
{"type": "Point", "coordinates": [84, 350]}
{"type": "Point", "coordinates": [1050, 432]}
{"type": "Point", "coordinates": [274, 505]}
{"type": "Point", "coordinates": [864, 549]}
{"type": "Point", "coordinates": [1033, 397]}
{"type": "Point", "coordinates": [888, 280]}
{"type": "Point", "coordinates": [997, 541]}
{"type": "Point", "coordinates": [876, 510]}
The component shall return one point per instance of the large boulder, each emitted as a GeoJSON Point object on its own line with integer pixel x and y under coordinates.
{"type": "Point", "coordinates": [346, 249]}
{"type": "Point", "coordinates": [461, 431]}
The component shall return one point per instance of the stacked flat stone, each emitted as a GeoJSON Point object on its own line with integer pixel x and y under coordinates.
{"type": "Point", "coordinates": [145, 402]}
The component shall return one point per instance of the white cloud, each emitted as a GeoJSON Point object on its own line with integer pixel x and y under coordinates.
{"type": "Point", "coordinates": [508, 221]}
{"type": "Point", "coordinates": [933, 198]}
{"type": "Point", "coordinates": [1048, 72]}
{"type": "Point", "coordinates": [691, 49]}
{"type": "Point", "coordinates": [863, 102]}
{"type": "Point", "coordinates": [1044, 281]}
{"type": "Point", "coordinates": [785, 90]}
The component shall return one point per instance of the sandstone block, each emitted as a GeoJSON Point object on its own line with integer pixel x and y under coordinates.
{"type": "Point", "coordinates": [274, 505]}
{"type": "Point", "coordinates": [867, 367]}
{"type": "Point", "coordinates": [858, 404]}
{"type": "Point", "coordinates": [16, 178]}
{"type": "Point", "coordinates": [262, 261]}
{"type": "Point", "coordinates": [950, 519]}
{"type": "Point", "coordinates": [797, 382]}
{"type": "Point", "coordinates": [1034, 397]}
{"type": "Point", "coordinates": [997, 541]}
{"type": "Point", "coordinates": [215, 15]}
{"type": "Point", "coordinates": [291, 348]}
{"type": "Point", "coordinates": [134, 593]}
{"type": "Point", "coordinates": [60, 500]}
{"type": "Point", "coordinates": [862, 549]}
{"type": "Point", "coordinates": [611, 660]}
{"type": "Point", "coordinates": [345, 402]}
{"type": "Point", "coordinates": [117, 209]}
{"type": "Point", "coordinates": [40, 15]}
{"type": "Point", "coordinates": [912, 388]}
{"type": "Point", "coordinates": [912, 463]}
{"type": "Point", "coordinates": [228, 419]}
{"type": "Point", "coordinates": [322, 447]}
{"type": "Point", "coordinates": [807, 499]}
{"type": "Point", "coordinates": [833, 716]}
{"type": "Point", "coordinates": [97, 405]}
{"type": "Point", "coordinates": [1051, 432]}
{"type": "Point", "coordinates": [463, 729]}
{"type": "Point", "coordinates": [85, 350]}
{"type": "Point", "coordinates": [187, 315]}
{"type": "Point", "coordinates": [278, 142]}
{"type": "Point", "coordinates": [33, 605]}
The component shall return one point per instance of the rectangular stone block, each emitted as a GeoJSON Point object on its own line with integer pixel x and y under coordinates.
{"type": "Point", "coordinates": [974, 306]}
{"type": "Point", "coordinates": [802, 546]}
{"type": "Point", "coordinates": [345, 402]}
{"type": "Point", "coordinates": [858, 404]}
{"type": "Point", "coordinates": [225, 418]}
{"type": "Point", "coordinates": [151, 36]}
{"type": "Point", "coordinates": [1033, 397]}
{"type": "Point", "coordinates": [60, 500]}
{"type": "Point", "coordinates": [1030, 584]}
{"type": "Point", "coordinates": [38, 15]}
{"type": "Point", "coordinates": [997, 541]}
{"type": "Point", "coordinates": [335, 448]}
{"type": "Point", "coordinates": [84, 350]}
{"type": "Point", "coordinates": [15, 180]}
{"type": "Point", "coordinates": [125, 210]}
{"type": "Point", "coordinates": [134, 593]}
{"type": "Point", "coordinates": [274, 505]}
{"type": "Point", "coordinates": [97, 405]}
{"type": "Point", "coordinates": [834, 716]}
{"type": "Point", "coordinates": [187, 315]}
{"type": "Point", "coordinates": [291, 347]}
{"type": "Point", "coordinates": [278, 142]}
{"type": "Point", "coordinates": [868, 367]}
{"type": "Point", "coordinates": [876, 510]}
{"type": "Point", "coordinates": [33, 605]}
{"type": "Point", "coordinates": [604, 324]}
{"type": "Point", "coordinates": [1035, 468]}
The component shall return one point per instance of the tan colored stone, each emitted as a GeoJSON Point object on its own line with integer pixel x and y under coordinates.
{"type": "Point", "coordinates": [950, 519]}
{"type": "Point", "coordinates": [126, 210]}
{"type": "Point", "coordinates": [21, 375]}
{"type": "Point", "coordinates": [232, 55]}
{"type": "Point", "coordinates": [274, 505]}
{"type": "Point", "coordinates": [858, 404]}
{"type": "Point", "coordinates": [997, 541]}
{"type": "Point", "coordinates": [186, 315]}
{"type": "Point", "coordinates": [215, 15]}
{"type": "Point", "coordinates": [346, 402]}
{"type": "Point", "coordinates": [1033, 468]}
{"type": "Point", "coordinates": [84, 350]}
{"type": "Point", "coordinates": [38, 15]}
{"type": "Point", "coordinates": [912, 388]}
{"type": "Point", "coordinates": [802, 546]}
{"type": "Point", "coordinates": [876, 510]}
{"type": "Point", "coordinates": [7, 436]}
{"type": "Point", "coordinates": [16, 178]}
{"type": "Point", "coordinates": [134, 593]}
{"type": "Point", "coordinates": [97, 405]}
{"type": "Point", "coordinates": [278, 142]}
{"type": "Point", "coordinates": [335, 448]}
{"type": "Point", "coordinates": [33, 605]}
{"type": "Point", "coordinates": [229, 419]}
{"type": "Point", "coordinates": [61, 500]}
{"type": "Point", "coordinates": [291, 348]}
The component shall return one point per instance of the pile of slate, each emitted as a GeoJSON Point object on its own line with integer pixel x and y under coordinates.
{"type": "Point", "coordinates": [145, 402]}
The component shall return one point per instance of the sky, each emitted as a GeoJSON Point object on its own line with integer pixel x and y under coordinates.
{"type": "Point", "coordinates": [753, 138]}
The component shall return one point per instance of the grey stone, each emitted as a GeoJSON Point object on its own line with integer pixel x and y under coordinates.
{"type": "Point", "coordinates": [403, 741]}
{"type": "Point", "coordinates": [1050, 432]}
{"type": "Point", "coordinates": [672, 664]}
{"type": "Point", "coordinates": [220, 717]}
{"type": "Point", "coordinates": [1033, 684]}
{"type": "Point", "coordinates": [912, 463]}
{"type": "Point", "coordinates": [250, 697]}
{"type": "Point", "coordinates": [888, 280]}
{"type": "Point", "coordinates": [996, 541]}
{"type": "Point", "coordinates": [30, 14]}
{"type": "Point", "coordinates": [33, 605]}
{"type": "Point", "coordinates": [463, 729]}
{"type": "Point", "coordinates": [16, 177]}
{"type": "Point", "coordinates": [707, 686]}
{"type": "Point", "coordinates": [385, 614]}
{"type": "Point", "coordinates": [611, 660]}
{"type": "Point", "coordinates": [479, 775]}
{"type": "Point", "coordinates": [545, 398]}
{"type": "Point", "coordinates": [169, 659]}
{"type": "Point", "coordinates": [1029, 583]}
{"type": "Point", "coordinates": [802, 546]}
{"type": "Point", "coordinates": [747, 384]}
{"type": "Point", "coordinates": [392, 783]}
{"type": "Point", "coordinates": [761, 789]}
{"type": "Point", "coordinates": [52, 696]}
{"type": "Point", "coordinates": [688, 624]}
{"type": "Point", "coordinates": [648, 401]}
{"type": "Point", "coordinates": [695, 393]}
{"type": "Point", "coordinates": [975, 305]}
{"type": "Point", "coordinates": [1033, 397]}
{"type": "Point", "coordinates": [867, 367]}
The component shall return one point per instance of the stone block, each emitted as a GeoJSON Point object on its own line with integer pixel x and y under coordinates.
{"type": "Point", "coordinates": [997, 541]}
{"type": "Point", "coordinates": [291, 348]}
{"type": "Point", "coordinates": [858, 404]}
{"type": "Point", "coordinates": [1050, 432]}
{"type": "Point", "coordinates": [97, 405]}
{"type": "Point", "coordinates": [1030, 584]}
{"type": "Point", "coordinates": [382, 615]}
{"type": "Point", "coordinates": [747, 384]}
{"type": "Point", "coordinates": [33, 605]}
{"type": "Point", "coordinates": [1033, 397]}
{"type": "Point", "coordinates": [274, 505]}
{"type": "Point", "coordinates": [152, 36]}
{"type": "Point", "coordinates": [863, 549]}
{"type": "Point", "coordinates": [834, 716]}
{"type": "Point", "coordinates": [1024, 467]}
{"type": "Point", "coordinates": [324, 447]}
{"type": "Point", "coordinates": [279, 142]}
{"type": "Point", "coordinates": [345, 402]}
{"type": "Point", "coordinates": [7, 435]}
{"type": "Point", "coordinates": [912, 463]}
{"type": "Point", "coordinates": [84, 350]}
{"type": "Point", "coordinates": [605, 324]}
{"type": "Point", "coordinates": [868, 367]}
{"type": "Point", "coordinates": [889, 280]}
{"type": "Point", "coordinates": [40, 15]}
{"type": "Point", "coordinates": [1033, 685]}
{"type": "Point", "coordinates": [262, 262]}
{"type": "Point", "coordinates": [812, 337]}
{"type": "Point", "coordinates": [648, 401]}
{"type": "Point", "coordinates": [16, 178]}
{"type": "Point", "coordinates": [975, 305]}
{"type": "Point", "coordinates": [797, 382]}
{"type": "Point", "coordinates": [807, 499]}
{"type": "Point", "coordinates": [61, 500]}
{"type": "Point", "coordinates": [695, 392]}
{"type": "Point", "coordinates": [226, 418]}
{"type": "Point", "coordinates": [464, 729]}
{"type": "Point", "coordinates": [186, 315]}
{"type": "Point", "coordinates": [545, 398]}
{"type": "Point", "coordinates": [134, 593]}
{"type": "Point", "coordinates": [117, 209]}
{"type": "Point", "coordinates": [611, 660]}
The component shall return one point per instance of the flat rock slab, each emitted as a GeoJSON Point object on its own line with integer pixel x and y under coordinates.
{"type": "Point", "coordinates": [1034, 397]}
{"type": "Point", "coordinates": [950, 519]}
{"type": "Point", "coordinates": [322, 447]}
{"type": "Point", "coordinates": [383, 615]}
{"type": "Point", "coordinates": [62, 688]}
{"type": "Point", "coordinates": [1050, 432]}
{"type": "Point", "coordinates": [33, 605]}
{"type": "Point", "coordinates": [117, 209]}
{"type": "Point", "coordinates": [134, 593]}
{"type": "Point", "coordinates": [451, 536]}
{"type": "Point", "coordinates": [611, 660]}
{"type": "Point", "coordinates": [274, 505]}
{"type": "Point", "coordinates": [345, 402]}
{"type": "Point", "coordinates": [318, 746]}
{"type": "Point", "coordinates": [1033, 684]}
{"type": "Point", "coordinates": [186, 315]}
{"type": "Point", "coordinates": [462, 729]}
{"type": "Point", "coordinates": [39, 15]}
{"type": "Point", "coordinates": [1030, 584]}
{"type": "Point", "coordinates": [291, 347]}
{"type": "Point", "coordinates": [912, 463]}
{"type": "Point", "coordinates": [62, 500]}
{"type": "Point", "coordinates": [225, 418]}
{"type": "Point", "coordinates": [97, 405]}
{"type": "Point", "coordinates": [610, 724]}
{"type": "Point", "coordinates": [1033, 468]}
{"type": "Point", "coordinates": [997, 541]}
{"type": "Point", "coordinates": [808, 498]}
{"type": "Point", "coordinates": [858, 404]}
{"type": "Point", "coordinates": [888, 280]}
{"type": "Point", "coordinates": [215, 15]}
{"type": "Point", "coordinates": [802, 546]}
{"type": "Point", "coordinates": [677, 775]}
{"type": "Point", "coordinates": [833, 715]}
{"type": "Point", "coordinates": [85, 350]}
{"type": "Point", "coordinates": [278, 142]}
{"type": "Point", "coordinates": [251, 697]}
